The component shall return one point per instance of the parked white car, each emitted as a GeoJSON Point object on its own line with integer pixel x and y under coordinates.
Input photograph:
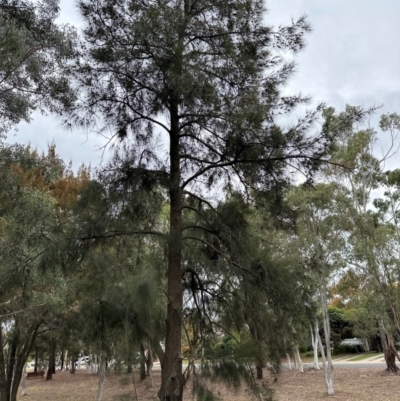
{"type": "Point", "coordinates": [352, 342]}
{"type": "Point", "coordinates": [84, 359]}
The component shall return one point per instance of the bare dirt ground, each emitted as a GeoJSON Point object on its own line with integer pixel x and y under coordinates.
{"type": "Point", "coordinates": [350, 384]}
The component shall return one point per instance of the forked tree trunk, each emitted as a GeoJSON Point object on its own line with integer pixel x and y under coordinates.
{"type": "Point", "coordinates": [314, 341]}
{"type": "Point", "coordinates": [23, 352]}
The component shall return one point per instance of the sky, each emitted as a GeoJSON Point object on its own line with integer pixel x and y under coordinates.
{"type": "Point", "coordinates": [352, 57]}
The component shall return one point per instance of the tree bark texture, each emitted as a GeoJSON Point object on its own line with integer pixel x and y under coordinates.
{"type": "Point", "coordinates": [389, 352]}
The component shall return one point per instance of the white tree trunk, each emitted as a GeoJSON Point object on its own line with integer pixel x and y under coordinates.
{"type": "Point", "coordinates": [314, 341]}
{"type": "Point", "coordinates": [328, 367]}
{"type": "Point", "coordinates": [23, 382]}
{"type": "Point", "coordinates": [66, 361]}
{"type": "Point", "coordinates": [79, 363]}
{"type": "Point", "coordinates": [102, 376]}
{"type": "Point", "coordinates": [94, 365]}
{"type": "Point", "coordinates": [366, 346]}
{"type": "Point", "coordinates": [298, 360]}
{"type": "Point", "coordinates": [288, 361]}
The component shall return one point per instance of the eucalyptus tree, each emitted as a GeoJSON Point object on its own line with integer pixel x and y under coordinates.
{"type": "Point", "coordinates": [34, 54]}
{"type": "Point", "coordinates": [194, 87]}
{"type": "Point", "coordinates": [322, 232]}
{"type": "Point", "coordinates": [373, 239]}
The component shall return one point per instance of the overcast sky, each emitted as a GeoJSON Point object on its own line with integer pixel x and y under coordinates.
{"type": "Point", "coordinates": [352, 57]}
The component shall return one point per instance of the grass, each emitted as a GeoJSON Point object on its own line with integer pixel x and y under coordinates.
{"type": "Point", "coordinates": [363, 357]}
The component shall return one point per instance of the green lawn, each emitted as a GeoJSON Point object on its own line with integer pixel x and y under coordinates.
{"type": "Point", "coordinates": [363, 356]}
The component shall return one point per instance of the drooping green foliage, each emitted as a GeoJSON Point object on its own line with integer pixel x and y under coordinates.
{"type": "Point", "coordinates": [34, 52]}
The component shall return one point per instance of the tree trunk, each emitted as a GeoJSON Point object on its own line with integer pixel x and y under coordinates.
{"type": "Point", "coordinates": [73, 360]}
{"type": "Point", "coordinates": [142, 363]}
{"type": "Point", "coordinates": [11, 363]}
{"type": "Point", "coordinates": [259, 365]}
{"type": "Point", "coordinates": [93, 369]}
{"type": "Point", "coordinates": [54, 358]}
{"type": "Point", "coordinates": [171, 364]}
{"type": "Point", "coordinates": [298, 360]}
{"type": "Point", "coordinates": [389, 351]}
{"type": "Point", "coordinates": [328, 367]}
{"type": "Point", "coordinates": [102, 376]}
{"type": "Point", "coordinates": [288, 361]}
{"type": "Point", "coordinates": [35, 369]}
{"type": "Point", "coordinates": [149, 364]}
{"type": "Point", "coordinates": [258, 350]}
{"type": "Point", "coordinates": [52, 352]}
{"type": "Point", "coordinates": [62, 360]}
{"type": "Point", "coordinates": [149, 361]}
{"type": "Point", "coordinates": [23, 354]}
{"type": "Point", "coordinates": [23, 382]}
{"type": "Point", "coordinates": [3, 380]}
{"type": "Point", "coordinates": [314, 340]}
{"type": "Point", "coordinates": [129, 368]}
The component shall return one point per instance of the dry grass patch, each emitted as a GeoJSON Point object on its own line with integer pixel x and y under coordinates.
{"type": "Point", "coordinates": [350, 384]}
{"type": "Point", "coordinates": [82, 386]}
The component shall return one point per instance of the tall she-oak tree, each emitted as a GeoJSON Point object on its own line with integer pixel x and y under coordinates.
{"type": "Point", "coordinates": [194, 86]}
